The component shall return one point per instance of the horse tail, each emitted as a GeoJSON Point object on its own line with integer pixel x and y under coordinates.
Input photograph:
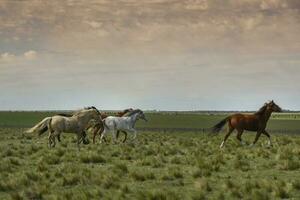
{"type": "Point", "coordinates": [218, 127]}
{"type": "Point", "coordinates": [49, 125]}
{"type": "Point", "coordinates": [41, 127]}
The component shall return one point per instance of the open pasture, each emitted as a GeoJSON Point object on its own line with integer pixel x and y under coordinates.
{"type": "Point", "coordinates": [174, 121]}
{"type": "Point", "coordinates": [159, 165]}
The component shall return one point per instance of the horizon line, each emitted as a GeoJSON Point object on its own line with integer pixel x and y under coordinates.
{"type": "Point", "coordinates": [146, 110]}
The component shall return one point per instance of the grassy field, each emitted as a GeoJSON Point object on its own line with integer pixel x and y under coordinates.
{"type": "Point", "coordinates": [157, 166]}
{"type": "Point", "coordinates": [283, 123]}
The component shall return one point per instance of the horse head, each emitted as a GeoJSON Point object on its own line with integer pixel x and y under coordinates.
{"type": "Point", "coordinates": [142, 116]}
{"type": "Point", "coordinates": [273, 107]}
{"type": "Point", "coordinates": [138, 113]}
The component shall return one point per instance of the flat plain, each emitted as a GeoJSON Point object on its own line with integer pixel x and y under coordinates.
{"type": "Point", "coordinates": [162, 164]}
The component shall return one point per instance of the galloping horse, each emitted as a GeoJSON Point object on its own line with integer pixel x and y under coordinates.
{"type": "Point", "coordinates": [98, 127]}
{"type": "Point", "coordinates": [125, 123]}
{"type": "Point", "coordinates": [119, 114]}
{"type": "Point", "coordinates": [250, 122]}
{"type": "Point", "coordinates": [77, 123]}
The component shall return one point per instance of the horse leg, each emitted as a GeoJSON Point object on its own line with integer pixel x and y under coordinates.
{"type": "Point", "coordinates": [239, 136]}
{"type": "Point", "coordinates": [53, 136]}
{"type": "Point", "coordinates": [79, 136]}
{"type": "Point", "coordinates": [97, 131]}
{"type": "Point", "coordinates": [58, 138]}
{"type": "Point", "coordinates": [226, 136]}
{"type": "Point", "coordinates": [114, 136]}
{"type": "Point", "coordinates": [94, 136]}
{"type": "Point", "coordinates": [134, 134]}
{"type": "Point", "coordinates": [118, 133]}
{"type": "Point", "coordinates": [269, 137]}
{"type": "Point", "coordinates": [50, 139]}
{"type": "Point", "coordinates": [125, 136]}
{"type": "Point", "coordinates": [100, 132]}
{"type": "Point", "coordinates": [256, 137]}
{"type": "Point", "coordinates": [83, 134]}
{"type": "Point", "coordinates": [53, 140]}
{"type": "Point", "coordinates": [103, 136]}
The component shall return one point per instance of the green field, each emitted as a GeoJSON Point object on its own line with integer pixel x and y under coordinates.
{"type": "Point", "coordinates": [158, 165]}
{"type": "Point", "coordinates": [283, 123]}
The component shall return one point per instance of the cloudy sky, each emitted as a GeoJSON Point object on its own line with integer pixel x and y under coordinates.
{"type": "Point", "coordinates": [151, 54]}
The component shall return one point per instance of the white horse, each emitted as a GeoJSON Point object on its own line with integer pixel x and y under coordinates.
{"type": "Point", "coordinates": [76, 123]}
{"type": "Point", "coordinates": [124, 124]}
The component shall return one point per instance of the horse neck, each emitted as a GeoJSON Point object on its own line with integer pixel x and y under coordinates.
{"type": "Point", "coordinates": [133, 118]}
{"type": "Point", "coordinates": [84, 117]}
{"type": "Point", "coordinates": [120, 114]}
{"type": "Point", "coordinates": [265, 116]}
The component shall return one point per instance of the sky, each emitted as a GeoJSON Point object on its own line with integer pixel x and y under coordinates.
{"type": "Point", "coordinates": [149, 54]}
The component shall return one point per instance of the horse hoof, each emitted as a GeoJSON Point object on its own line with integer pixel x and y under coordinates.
{"type": "Point", "coordinates": [252, 145]}
{"type": "Point", "coordinates": [222, 145]}
{"type": "Point", "coordinates": [242, 143]}
{"type": "Point", "coordinates": [270, 144]}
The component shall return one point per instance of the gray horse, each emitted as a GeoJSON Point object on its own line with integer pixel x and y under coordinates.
{"type": "Point", "coordinates": [77, 123]}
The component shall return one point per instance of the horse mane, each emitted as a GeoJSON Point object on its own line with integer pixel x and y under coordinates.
{"type": "Point", "coordinates": [87, 108]}
{"type": "Point", "coordinates": [64, 115]}
{"type": "Point", "coordinates": [124, 112]}
{"type": "Point", "coordinates": [261, 110]}
{"type": "Point", "coordinates": [132, 112]}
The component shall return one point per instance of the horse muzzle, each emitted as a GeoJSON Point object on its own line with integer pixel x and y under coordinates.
{"type": "Point", "coordinates": [146, 120]}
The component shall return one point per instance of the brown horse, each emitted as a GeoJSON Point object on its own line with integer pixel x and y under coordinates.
{"type": "Point", "coordinates": [98, 128]}
{"type": "Point", "coordinates": [250, 122]}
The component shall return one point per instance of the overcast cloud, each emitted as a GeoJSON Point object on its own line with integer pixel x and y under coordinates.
{"type": "Point", "coordinates": [158, 54]}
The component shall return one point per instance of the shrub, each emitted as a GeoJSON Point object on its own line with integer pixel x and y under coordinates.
{"type": "Point", "coordinates": [241, 164]}
{"type": "Point", "coordinates": [92, 158]}
{"type": "Point", "coordinates": [201, 173]}
{"type": "Point", "coordinates": [259, 194]}
{"type": "Point", "coordinates": [281, 192]}
{"type": "Point", "coordinates": [6, 185]}
{"type": "Point", "coordinates": [199, 196]}
{"type": "Point", "coordinates": [177, 174]}
{"type": "Point", "coordinates": [51, 159]}
{"type": "Point", "coordinates": [203, 185]}
{"type": "Point", "coordinates": [16, 196]}
{"type": "Point", "coordinates": [176, 160]}
{"type": "Point", "coordinates": [32, 176]}
{"type": "Point", "coordinates": [110, 182]}
{"type": "Point", "coordinates": [142, 176]}
{"type": "Point", "coordinates": [15, 161]}
{"type": "Point", "coordinates": [296, 184]}
{"type": "Point", "coordinates": [71, 179]}
{"type": "Point", "coordinates": [120, 169]}
{"type": "Point", "coordinates": [289, 165]}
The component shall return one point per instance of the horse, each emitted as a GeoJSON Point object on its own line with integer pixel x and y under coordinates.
{"type": "Point", "coordinates": [119, 114]}
{"type": "Point", "coordinates": [125, 123]}
{"type": "Point", "coordinates": [250, 122]}
{"type": "Point", "coordinates": [77, 123]}
{"type": "Point", "coordinates": [98, 127]}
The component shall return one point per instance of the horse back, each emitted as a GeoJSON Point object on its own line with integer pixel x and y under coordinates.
{"type": "Point", "coordinates": [248, 122]}
{"type": "Point", "coordinates": [120, 123]}
{"type": "Point", "coordinates": [64, 124]}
